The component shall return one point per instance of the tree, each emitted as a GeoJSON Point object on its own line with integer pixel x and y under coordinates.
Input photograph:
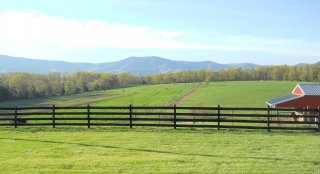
{"type": "Point", "coordinates": [4, 94]}
{"type": "Point", "coordinates": [69, 87]}
{"type": "Point", "coordinates": [80, 85]}
{"type": "Point", "coordinates": [19, 83]}
{"type": "Point", "coordinates": [41, 88]}
{"type": "Point", "coordinates": [55, 83]}
{"type": "Point", "coordinates": [293, 73]}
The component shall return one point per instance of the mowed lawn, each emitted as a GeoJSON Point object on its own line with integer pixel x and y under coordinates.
{"type": "Point", "coordinates": [152, 150]}
{"type": "Point", "coordinates": [161, 150]}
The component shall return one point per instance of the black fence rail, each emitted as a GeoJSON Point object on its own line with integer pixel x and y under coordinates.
{"type": "Point", "coordinates": [168, 116]}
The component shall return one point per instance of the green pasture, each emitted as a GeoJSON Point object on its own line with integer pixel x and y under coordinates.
{"type": "Point", "coordinates": [239, 94]}
{"type": "Point", "coordinates": [232, 94]}
{"type": "Point", "coordinates": [151, 150]}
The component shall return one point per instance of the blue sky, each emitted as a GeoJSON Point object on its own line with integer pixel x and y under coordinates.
{"type": "Point", "coordinates": [229, 31]}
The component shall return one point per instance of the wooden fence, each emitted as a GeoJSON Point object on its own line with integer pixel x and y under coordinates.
{"type": "Point", "coordinates": [171, 116]}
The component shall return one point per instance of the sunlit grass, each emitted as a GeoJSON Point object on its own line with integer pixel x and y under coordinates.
{"type": "Point", "coordinates": [239, 94]}
{"type": "Point", "coordinates": [232, 94]}
{"type": "Point", "coordinates": [145, 150]}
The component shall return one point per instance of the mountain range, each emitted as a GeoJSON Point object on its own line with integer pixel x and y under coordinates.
{"type": "Point", "coordinates": [134, 65]}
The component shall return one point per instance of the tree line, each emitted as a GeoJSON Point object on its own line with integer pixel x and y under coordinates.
{"type": "Point", "coordinates": [28, 85]}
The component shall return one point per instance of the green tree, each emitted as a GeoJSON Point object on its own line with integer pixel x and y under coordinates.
{"type": "Point", "coordinates": [19, 83]}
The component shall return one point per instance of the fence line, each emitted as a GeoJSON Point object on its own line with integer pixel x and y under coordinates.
{"type": "Point", "coordinates": [160, 116]}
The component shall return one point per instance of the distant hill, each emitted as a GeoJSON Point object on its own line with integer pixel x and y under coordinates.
{"type": "Point", "coordinates": [135, 65]}
{"type": "Point", "coordinates": [153, 65]}
{"type": "Point", "coordinates": [19, 64]}
{"type": "Point", "coordinates": [302, 64]}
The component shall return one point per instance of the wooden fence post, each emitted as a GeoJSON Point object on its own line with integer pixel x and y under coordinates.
{"type": "Point", "coordinates": [53, 116]}
{"type": "Point", "coordinates": [16, 117]}
{"type": "Point", "coordinates": [88, 111]}
{"type": "Point", "coordinates": [268, 118]}
{"type": "Point", "coordinates": [218, 117]}
{"type": "Point", "coordinates": [175, 117]}
{"type": "Point", "coordinates": [319, 119]}
{"type": "Point", "coordinates": [130, 114]}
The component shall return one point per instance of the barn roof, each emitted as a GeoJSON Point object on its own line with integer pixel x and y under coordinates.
{"type": "Point", "coordinates": [283, 99]}
{"type": "Point", "coordinates": [310, 89]}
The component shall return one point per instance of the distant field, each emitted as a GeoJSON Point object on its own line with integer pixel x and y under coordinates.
{"type": "Point", "coordinates": [239, 94]}
{"type": "Point", "coordinates": [234, 94]}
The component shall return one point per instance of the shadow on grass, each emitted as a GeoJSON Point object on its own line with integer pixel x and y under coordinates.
{"type": "Point", "coordinates": [158, 151]}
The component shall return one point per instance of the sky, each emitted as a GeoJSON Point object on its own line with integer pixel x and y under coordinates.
{"type": "Point", "coordinates": [265, 32]}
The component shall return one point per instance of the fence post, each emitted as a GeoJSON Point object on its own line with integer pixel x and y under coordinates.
{"type": "Point", "coordinates": [319, 118]}
{"type": "Point", "coordinates": [88, 111]}
{"type": "Point", "coordinates": [16, 117]}
{"type": "Point", "coordinates": [218, 117]}
{"type": "Point", "coordinates": [268, 118]}
{"type": "Point", "coordinates": [130, 114]}
{"type": "Point", "coordinates": [175, 117]}
{"type": "Point", "coordinates": [53, 116]}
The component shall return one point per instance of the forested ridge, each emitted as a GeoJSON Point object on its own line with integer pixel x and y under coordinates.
{"type": "Point", "coordinates": [28, 85]}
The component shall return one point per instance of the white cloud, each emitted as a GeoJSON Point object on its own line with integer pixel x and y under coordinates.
{"type": "Point", "coordinates": [37, 35]}
{"type": "Point", "coordinates": [261, 40]}
{"type": "Point", "coordinates": [34, 30]}
{"type": "Point", "coordinates": [282, 46]}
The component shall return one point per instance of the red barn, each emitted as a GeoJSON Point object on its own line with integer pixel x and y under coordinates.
{"type": "Point", "coordinates": [305, 96]}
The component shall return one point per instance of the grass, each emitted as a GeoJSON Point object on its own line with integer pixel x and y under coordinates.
{"type": "Point", "coordinates": [68, 100]}
{"type": "Point", "coordinates": [235, 94]}
{"type": "Point", "coordinates": [160, 150]}
{"type": "Point", "coordinates": [145, 150]}
{"type": "Point", "coordinates": [151, 95]}
{"type": "Point", "coordinates": [140, 95]}
{"type": "Point", "coordinates": [239, 94]}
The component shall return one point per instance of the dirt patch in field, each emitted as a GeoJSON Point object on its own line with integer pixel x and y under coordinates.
{"type": "Point", "coordinates": [183, 98]}
{"type": "Point", "coordinates": [84, 100]}
{"type": "Point", "coordinates": [92, 100]}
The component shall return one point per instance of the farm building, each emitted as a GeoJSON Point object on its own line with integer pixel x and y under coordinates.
{"type": "Point", "coordinates": [304, 96]}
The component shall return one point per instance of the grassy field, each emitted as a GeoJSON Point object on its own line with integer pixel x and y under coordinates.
{"type": "Point", "coordinates": [160, 150]}
{"type": "Point", "coordinates": [140, 95]}
{"type": "Point", "coordinates": [234, 94]}
{"type": "Point", "coordinates": [145, 150]}
{"type": "Point", "coordinates": [239, 94]}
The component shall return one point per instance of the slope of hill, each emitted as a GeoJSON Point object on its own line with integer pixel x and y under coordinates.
{"type": "Point", "coordinates": [18, 64]}
{"type": "Point", "coordinates": [302, 64]}
{"type": "Point", "coordinates": [135, 65]}
{"type": "Point", "coordinates": [152, 65]}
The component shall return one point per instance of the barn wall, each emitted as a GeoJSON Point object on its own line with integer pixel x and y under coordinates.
{"type": "Point", "coordinates": [313, 102]}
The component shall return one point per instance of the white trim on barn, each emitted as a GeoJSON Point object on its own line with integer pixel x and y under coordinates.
{"type": "Point", "coordinates": [283, 99]}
